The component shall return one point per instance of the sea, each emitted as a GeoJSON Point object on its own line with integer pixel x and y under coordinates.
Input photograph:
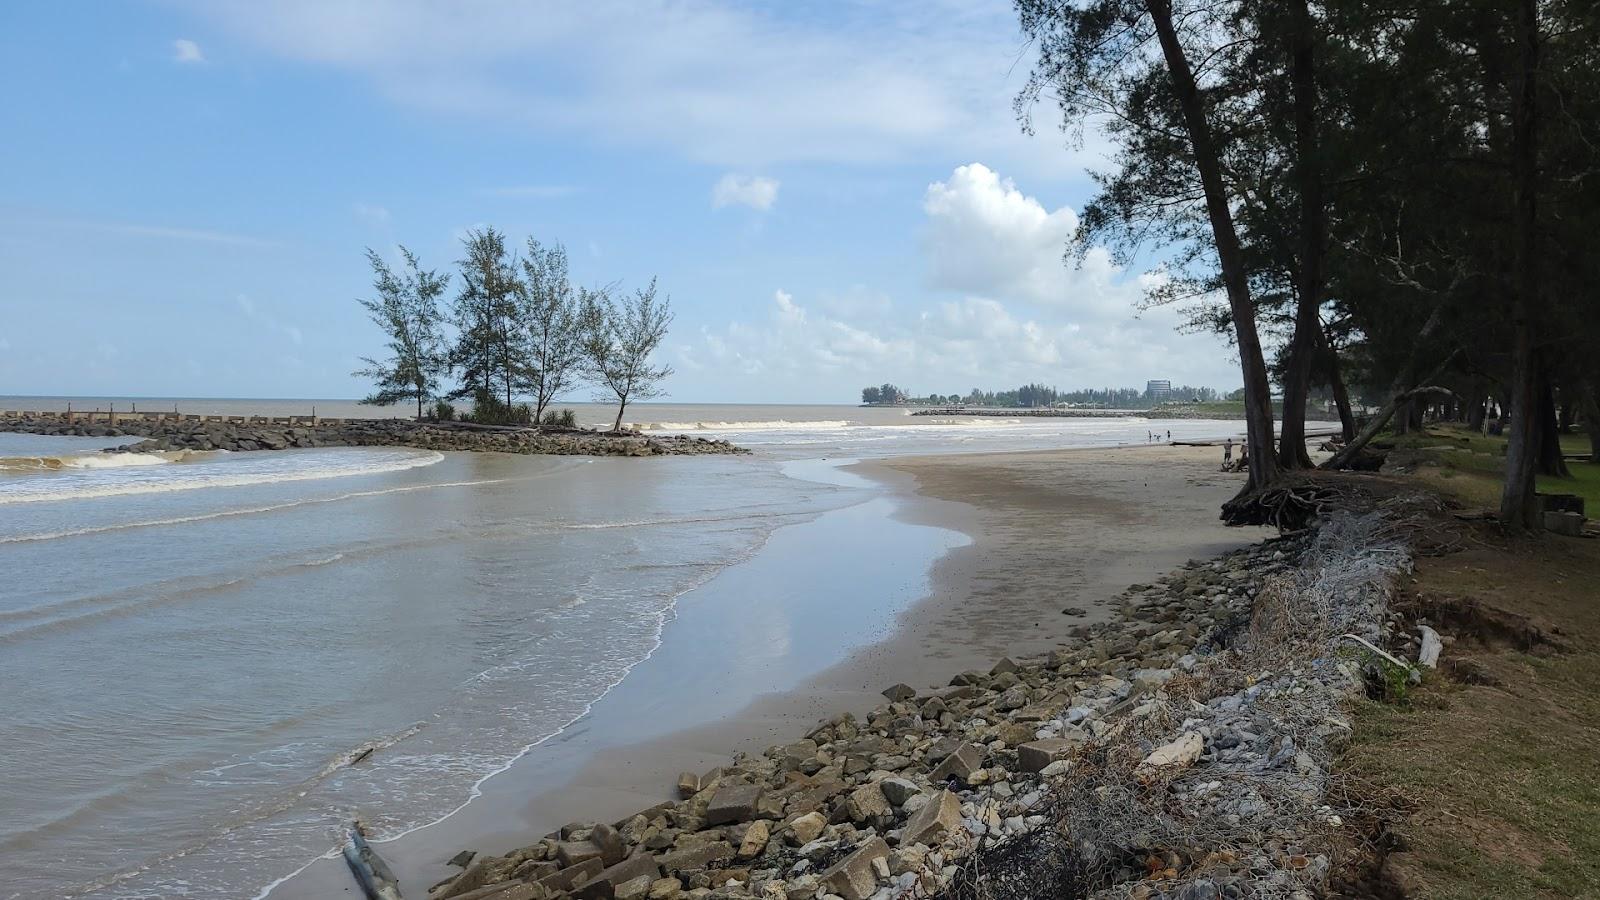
{"type": "Point", "coordinates": [210, 661]}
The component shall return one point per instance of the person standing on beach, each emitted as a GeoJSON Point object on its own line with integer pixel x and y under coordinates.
{"type": "Point", "coordinates": [1227, 454]}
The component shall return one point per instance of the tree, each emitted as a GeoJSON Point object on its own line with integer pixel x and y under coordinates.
{"type": "Point", "coordinates": [406, 307]}
{"type": "Point", "coordinates": [1128, 61]}
{"type": "Point", "coordinates": [619, 337]}
{"type": "Point", "coordinates": [490, 350]}
{"type": "Point", "coordinates": [871, 395]}
{"type": "Point", "coordinates": [549, 315]}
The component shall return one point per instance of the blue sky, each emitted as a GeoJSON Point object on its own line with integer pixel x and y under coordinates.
{"type": "Point", "coordinates": [832, 194]}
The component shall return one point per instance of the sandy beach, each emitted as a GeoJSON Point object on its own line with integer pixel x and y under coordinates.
{"type": "Point", "coordinates": [1046, 531]}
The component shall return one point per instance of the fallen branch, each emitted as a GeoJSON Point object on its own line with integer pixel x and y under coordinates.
{"type": "Point", "coordinates": [372, 873]}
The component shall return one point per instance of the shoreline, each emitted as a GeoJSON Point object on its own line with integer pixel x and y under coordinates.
{"type": "Point", "coordinates": [578, 774]}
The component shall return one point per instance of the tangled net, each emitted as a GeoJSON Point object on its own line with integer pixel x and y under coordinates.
{"type": "Point", "coordinates": [1258, 817]}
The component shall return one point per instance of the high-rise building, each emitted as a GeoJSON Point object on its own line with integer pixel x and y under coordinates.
{"type": "Point", "coordinates": [1157, 391]}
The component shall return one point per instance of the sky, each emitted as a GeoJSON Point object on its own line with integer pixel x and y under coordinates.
{"type": "Point", "coordinates": [832, 194]}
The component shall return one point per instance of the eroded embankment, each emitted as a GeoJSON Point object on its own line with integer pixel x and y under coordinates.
{"type": "Point", "coordinates": [1180, 750]}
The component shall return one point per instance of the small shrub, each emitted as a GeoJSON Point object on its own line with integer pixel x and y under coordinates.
{"type": "Point", "coordinates": [443, 411]}
{"type": "Point", "coordinates": [490, 410]}
{"type": "Point", "coordinates": [563, 419]}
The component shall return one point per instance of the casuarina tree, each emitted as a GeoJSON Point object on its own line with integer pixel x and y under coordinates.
{"type": "Point", "coordinates": [619, 337]}
{"type": "Point", "coordinates": [406, 305]}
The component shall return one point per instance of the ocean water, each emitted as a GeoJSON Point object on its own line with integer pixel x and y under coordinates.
{"type": "Point", "coordinates": [211, 661]}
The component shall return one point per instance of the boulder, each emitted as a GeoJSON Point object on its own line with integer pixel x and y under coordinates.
{"type": "Point", "coordinates": [899, 692]}
{"type": "Point", "coordinates": [854, 877]}
{"type": "Point", "coordinates": [566, 879]}
{"type": "Point", "coordinates": [808, 828]}
{"type": "Point", "coordinates": [1177, 754]}
{"type": "Point", "coordinates": [867, 805]}
{"type": "Point", "coordinates": [939, 815]}
{"type": "Point", "coordinates": [570, 853]}
{"type": "Point", "coordinates": [1035, 755]}
{"type": "Point", "coordinates": [961, 764]}
{"type": "Point", "coordinates": [752, 838]}
{"type": "Point", "coordinates": [733, 803]}
{"type": "Point", "coordinates": [634, 888]}
{"type": "Point", "coordinates": [609, 840]}
{"type": "Point", "coordinates": [603, 885]}
{"type": "Point", "coordinates": [696, 857]}
{"type": "Point", "coordinates": [898, 790]}
{"type": "Point", "coordinates": [688, 784]}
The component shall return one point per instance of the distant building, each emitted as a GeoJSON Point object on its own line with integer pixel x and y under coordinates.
{"type": "Point", "coordinates": [1158, 391]}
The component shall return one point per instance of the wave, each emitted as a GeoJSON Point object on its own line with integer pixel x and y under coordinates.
{"type": "Point", "coordinates": [247, 511]}
{"type": "Point", "coordinates": [98, 460]}
{"type": "Point", "coordinates": [48, 491]}
{"type": "Point", "coordinates": [766, 425]}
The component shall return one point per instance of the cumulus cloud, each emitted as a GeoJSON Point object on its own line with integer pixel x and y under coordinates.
{"type": "Point", "coordinates": [187, 51]}
{"type": "Point", "coordinates": [985, 236]}
{"type": "Point", "coordinates": [753, 191]}
{"type": "Point", "coordinates": [1014, 311]}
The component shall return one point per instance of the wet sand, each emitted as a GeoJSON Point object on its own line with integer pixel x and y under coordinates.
{"type": "Point", "coordinates": [1049, 530]}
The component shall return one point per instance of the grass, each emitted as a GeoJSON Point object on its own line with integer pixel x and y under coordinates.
{"type": "Point", "coordinates": [1468, 465]}
{"type": "Point", "coordinates": [1494, 761]}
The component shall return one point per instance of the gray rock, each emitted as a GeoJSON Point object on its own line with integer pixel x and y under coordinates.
{"type": "Point", "coordinates": [855, 877]}
{"type": "Point", "coordinates": [733, 803]}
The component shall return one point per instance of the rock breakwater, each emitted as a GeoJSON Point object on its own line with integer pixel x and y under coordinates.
{"type": "Point", "coordinates": [162, 433]}
{"type": "Point", "coordinates": [1178, 751]}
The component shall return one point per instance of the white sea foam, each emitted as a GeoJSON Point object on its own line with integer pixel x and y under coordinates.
{"type": "Point", "coordinates": [768, 425]}
{"type": "Point", "coordinates": [233, 474]}
{"type": "Point", "coordinates": [97, 460]}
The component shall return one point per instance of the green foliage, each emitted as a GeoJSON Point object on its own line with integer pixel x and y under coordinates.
{"type": "Point", "coordinates": [620, 334]}
{"type": "Point", "coordinates": [407, 309]}
{"type": "Point", "coordinates": [488, 409]}
{"type": "Point", "coordinates": [444, 411]}
{"type": "Point", "coordinates": [566, 418]}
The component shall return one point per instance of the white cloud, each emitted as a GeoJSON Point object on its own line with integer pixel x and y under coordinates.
{"type": "Point", "coordinates": [753, 191]}
{"type": "Point", "coordinates": [738, 85]}
{"type": "Point", "coordinates": [187, 51]}
{"type": "Point", "coordinates": [985, 236]}
{"type": "Point", "coordinates": [1020, 313]}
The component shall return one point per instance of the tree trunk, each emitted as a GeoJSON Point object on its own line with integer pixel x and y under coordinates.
{"type": "Point", "coordinates": [1550, 461]}
{"type": "Point", "coordinates": [1341, 394]}
{"type": "Point", "coordinates": [1476, 411]}
{"type": "Point", "coordinates": [1257, 393]}
{"type": "Point", "coordinates": [622, 404]}
{"type": "Point", "coordinates": [1313, 229]}
{"type": "Point", "coordinates": [1519, 506]}
{"type": "Point", "coordinates": [1591, 420]}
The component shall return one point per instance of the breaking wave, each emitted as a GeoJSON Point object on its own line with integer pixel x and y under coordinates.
{"type": "Point", "coordinates": [99, 460]}
{"type": "Point", "coordinates": [767, 425]}
{"type": "Point", "coordinates": [236, 473]}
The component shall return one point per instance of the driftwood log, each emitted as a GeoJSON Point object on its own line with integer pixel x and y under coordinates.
{"type": "Point", "coordinates": [372, 873]}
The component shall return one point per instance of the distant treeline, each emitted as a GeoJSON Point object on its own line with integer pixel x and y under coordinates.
{"type": "Point", "coordinates": [516, 329]}
{"type": "Point", "coordinates": [1037, 395]}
